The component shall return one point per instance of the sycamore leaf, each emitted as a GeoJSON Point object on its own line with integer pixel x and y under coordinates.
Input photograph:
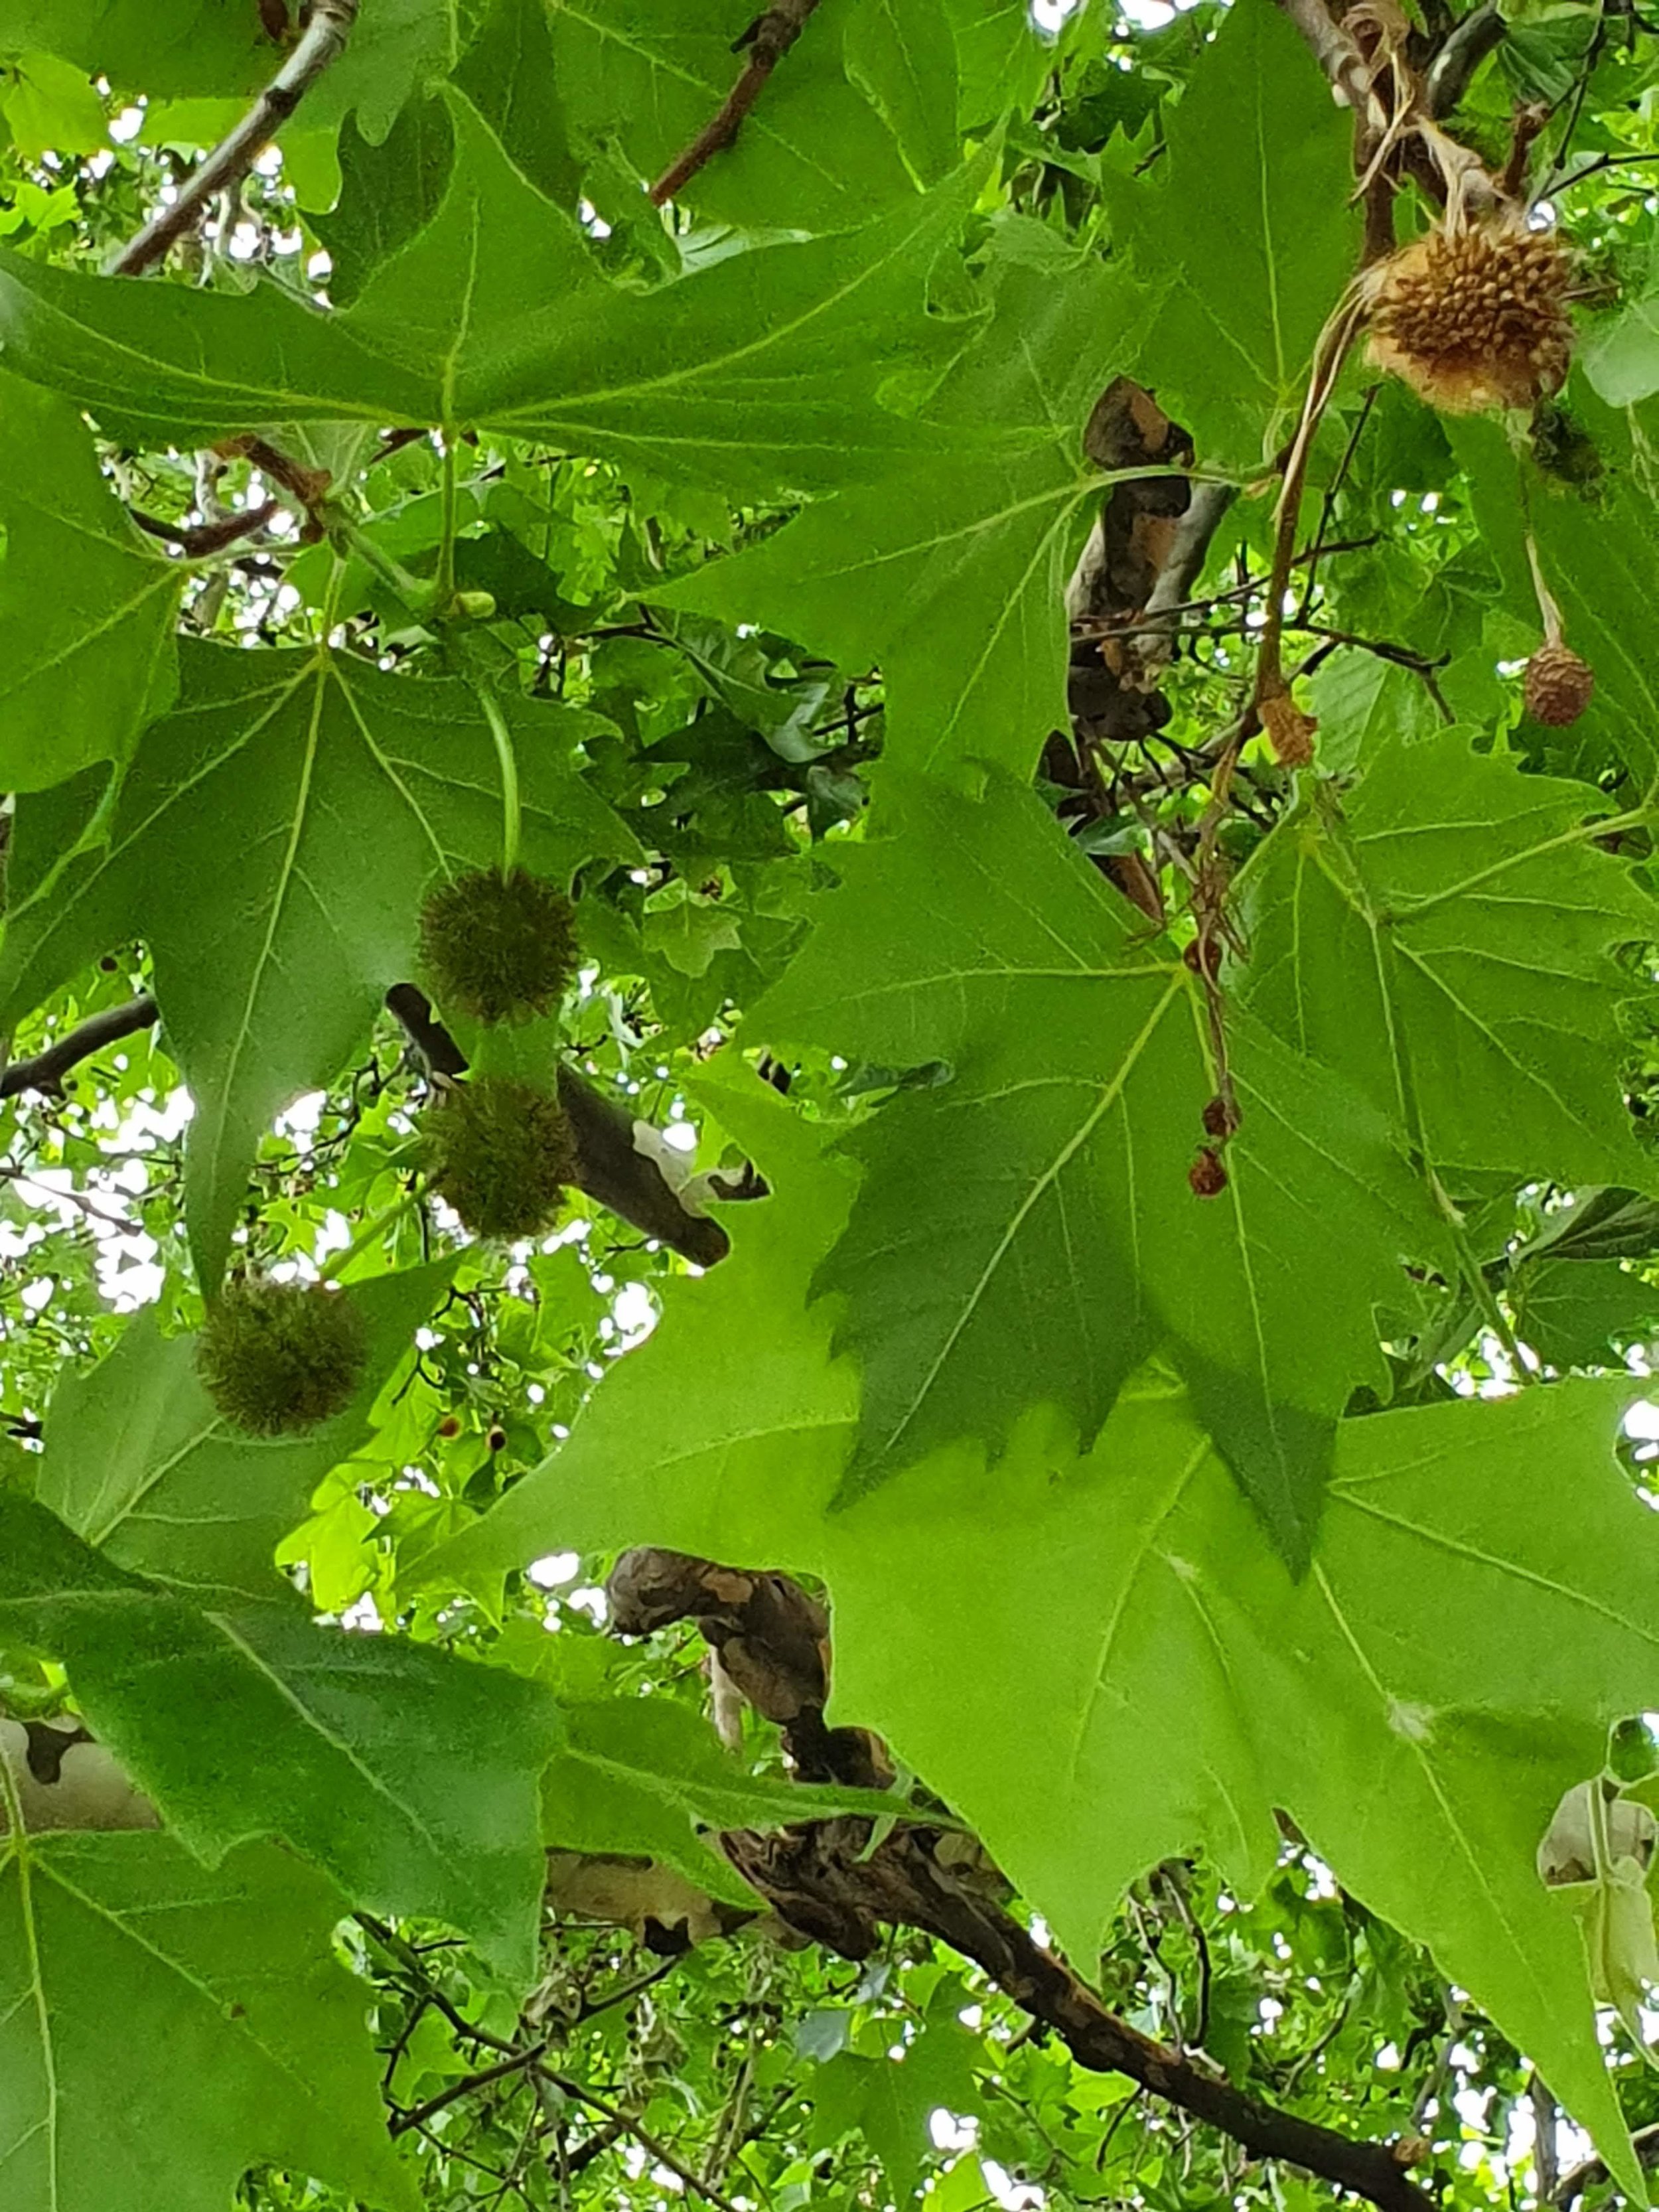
{"type": "Point", "coordinates": [1441, 937]}
{"type": "Point", "coordinates": [902, 54]}
{"type": "Point", "coordinates": [87, 606]}
{"type": "Point", "coordinates": [1421, 1698]}
{"type": "Point", "coordinates": [316, 1737]}
{"type": "Point", "coordinates": [164, 2027]}
{"type": "Point", "coordinates": [191, 48]}
{"type": "Point", "coordinates": [643, 1777]}
{"type": "Point", "coordinates": [811, 156]}
{"type": "Point", "coordinates": [762, 372]}
{"type": "Point", "coordinates": [1252, 230]}
{"type": "Point", "coordinates": [951, 577]}
{"type": "Point", "coordinates": [139, 1462]}
{"type": "Point", "coordinates": [1028, 1234]}
{"type": "Point", "coordinates": [272, 841]}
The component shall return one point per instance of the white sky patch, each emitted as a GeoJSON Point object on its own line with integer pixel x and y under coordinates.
{"type": "Point", "coordinates": [558, 1567]}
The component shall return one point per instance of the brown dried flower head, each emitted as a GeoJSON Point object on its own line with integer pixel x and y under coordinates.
{"type": "Point", "coordinates": [1558, 685]}
{"type": "Point", "coordinates": [1475, 319]}
{"type": "Point", "coordinates": [1290, 731]}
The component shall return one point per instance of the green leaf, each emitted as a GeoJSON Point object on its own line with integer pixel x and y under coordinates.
{"type": "Point", "coordinates": [1028, 1234]}
{"type": "Point", "coordinates": [762, 372]}
{"type": "Point", "coordinates": [1441, 937]}
{"type": "Point", "coordinates": [903, 59]}
{"type": "Point", "coordinates": [1421, 1698]}
{"type": "Point", "coordinates": [48, 104]}
{"type": "Point", "coordinates": [139, 1463]}
{"type": "Point", "coordinates": [1253, 231]}
{"type": "Point", "coordinates": [642, 1777]}
{"type": "Point", "coordinates": [1570, 1311]}
{"type": "Point", "coordinates": [1620, 356]}
{"type": "Point", "coordinates": [273, 841]}
{"type": "Point", "coordinates": [319, 1737]}
{"type": "Point", "coordinates": [891, 2101]}
{"type": "Point", "coordinates": [951, 577]}
{"type": "Point", "coordinates": [87, 607]}
{"type": "Point", "coordinates": [811, 154]}
{"type": "Point", "coordinates": [162, 2028]}
{"type": "Point", "coordinates": [388, 194]}
{"type": "Point", "coordinates": [189, 48]}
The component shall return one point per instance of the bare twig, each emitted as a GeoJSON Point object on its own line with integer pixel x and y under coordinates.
{"type": "Point", "coordinates": [1467, 46]}
{"type": "Point", "coordinates": [769, 39]}
{"type": "Point", "coordinates": [323, 40]}
{"type": "Point", "coordinates": [45, 1070]}
{"type": "Point", "coordinates": [651, 2145]}
{"type": "Point", "coordinates": [197, 539]}
{"type": "Point", "coordinates": [418, 2115]}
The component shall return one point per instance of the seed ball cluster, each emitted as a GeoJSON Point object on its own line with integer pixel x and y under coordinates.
{"type": "Point", "coordinates": [278, 1358]}
{"type": "Point", "coordinates": [499, 948]}
{"type": "Point", "coordinates": [500, 1153]}
{"type": "Point", "coordinates": [1476, 319]}
{"type": "Point", "coordinates": [1557, 686]}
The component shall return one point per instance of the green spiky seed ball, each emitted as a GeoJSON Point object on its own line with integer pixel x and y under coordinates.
{"type": "Point", "coordinates": [500, 1153]}
{"type": "Point", "coordinates": [499, 948]}
{"type": "Point", "coordinates": [279, 1358]}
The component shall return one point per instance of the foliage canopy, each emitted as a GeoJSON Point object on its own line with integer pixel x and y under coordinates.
{"type": "Point", "coordinates": [765, 759]}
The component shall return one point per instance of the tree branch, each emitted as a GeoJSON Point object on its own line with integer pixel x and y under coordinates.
{"type": "Point", "coordinates": [609, 1167]}
{"type": "Point", "coordinates": [1337, 51]}
{"type": "Point", "coordinates": [769, 39]}
{"type": "Point", "coordinates": [1466, 46]}
{"type": "Point", "coordinates": [45, 1070]}
{"type": "Point", "coordinates": [195, 539]}
{"type": "Point", "coordinates": [322, 42]}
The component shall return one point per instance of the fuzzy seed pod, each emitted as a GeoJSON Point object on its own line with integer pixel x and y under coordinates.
{"type": "Point", "coordinates": [276, 1358]}
{"type": "Point", "coordinates": [1557, 685]}
{"type": "Point", "coordinates": [1475, 319]}
{"type": "Point", "coordinates": [499, 948]}
{"type": "Point", "coordinates": [1207, 1175]}
{"type": "Point", "coordinates": [500, 1153]}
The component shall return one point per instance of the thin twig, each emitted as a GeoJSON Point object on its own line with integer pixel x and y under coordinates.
{"type": "Point", "coordinates": [651, 2145]}
{"type": "Point", "coordinates": [197, 539]}
{"type": "Point", "coordinates": [323, 40]}
{"type": "Point", "coordinates": [767, 40]}
{"type": "Point", "coordinates": [45, 1070]}
{"type": "Point", "coordinates": [418, 2115]}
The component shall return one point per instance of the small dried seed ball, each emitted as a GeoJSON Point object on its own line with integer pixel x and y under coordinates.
{"type": "Point", "coordinates": [1220, 1119]}
{"type": "Point", "coordinates": [276, 1358]}
{"type": "Point", "coordinates": [500, 1153]}
{"type": "Point", "coordinates": [499, 948]}
{"type": "Point", "coordinates": [1207, 1175]}
{"type": "Point", "coordinates": [1558, 685]}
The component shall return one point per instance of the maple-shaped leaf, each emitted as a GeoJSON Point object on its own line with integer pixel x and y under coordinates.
{"type": "Point", "coordinates": [272, 841]}
{"type": "Point", "coordinates": [1249, 226]}
{"type": "Point", "coordinates": [951, 576]}
{"type": "Point", "coordinates": [1028, 1233]}
{"type": "Point", "coordinates": [140, 1463]}
{"type": "Point", "coordinates": [87, 606]}
{"type": "Point", "coordinates": [163, 2027]}
{"type": "Point", "coordinates": [762, 373]}
{"type": "Point", "coordinates": [1442, 936]}
{"type": "Point", "coordinates": [312, 1735]}
{"type": "Point", "coordinates": [1102, 1662]}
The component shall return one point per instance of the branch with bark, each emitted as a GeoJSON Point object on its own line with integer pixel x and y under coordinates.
{"type": "Point", "coordinates": [825, 1879]}
{"type": "Point", "coordinates": [320, 43]}
{"type": "Point", "coordinates": [768, 39]}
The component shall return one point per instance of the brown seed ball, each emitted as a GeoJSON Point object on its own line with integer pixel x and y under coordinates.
{"type": "Point", "coordinates": [1220, 1119]}
{"type": "Point", "coordinates": [499, 948]}
{"type": "Point", "coordinates": [500, 1153]}
{"type": "Point", "coordinates": [1558, 685]}
{"type": "Point", "coordinates": [276, 1358]}
{"type": "Point", "coordinates": [1290, 731]}
{"type": "Point", "coordinates": [1207, 1175]}
{"type": "Point", "coordinates": [1475, 319]}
